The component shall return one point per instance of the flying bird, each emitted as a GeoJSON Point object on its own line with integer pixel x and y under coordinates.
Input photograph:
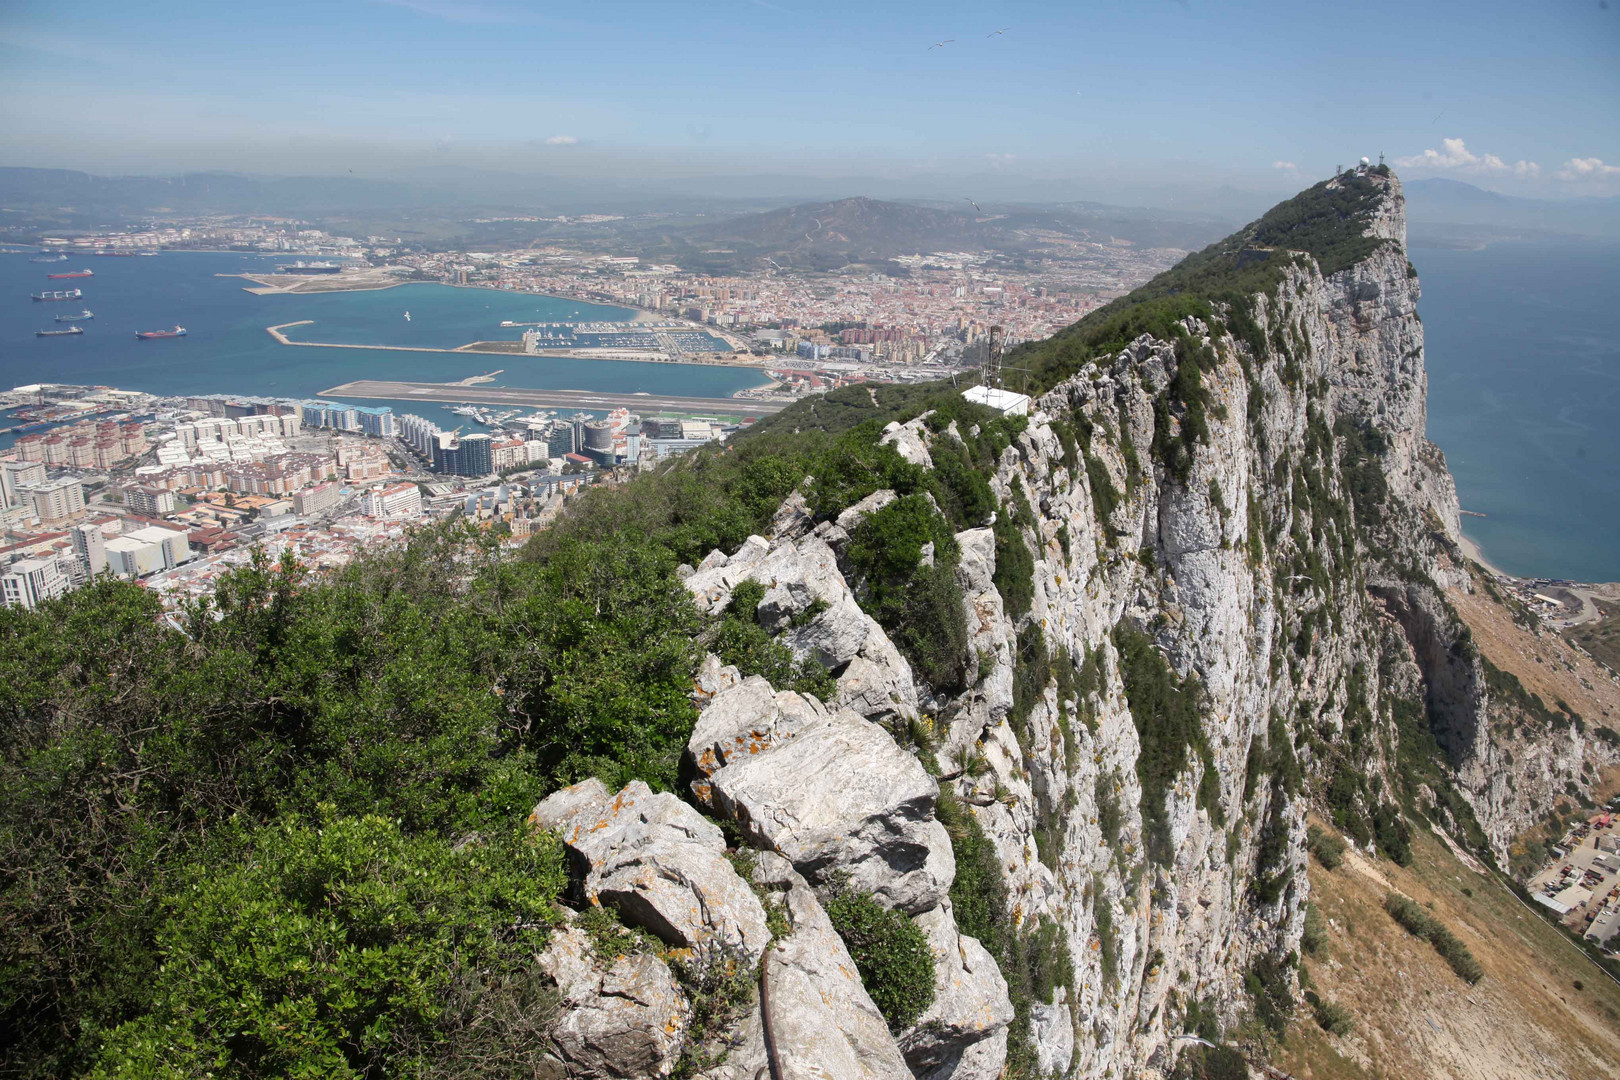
{"type": "Point", "coordinates": [998, 33]}
{"type": "Point", "coordinates": [939, 44]}
{"type": "Point", "coordinates": [974, 205]}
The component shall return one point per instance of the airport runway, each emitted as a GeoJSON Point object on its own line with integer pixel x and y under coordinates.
{"type": "Point", "coordinates": [552, 399]}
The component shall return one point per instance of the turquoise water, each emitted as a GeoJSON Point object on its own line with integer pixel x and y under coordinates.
{"type": "Point", "coordinates": [1524, 397]}
{"type": "Point", "coordinates": [226, 349]}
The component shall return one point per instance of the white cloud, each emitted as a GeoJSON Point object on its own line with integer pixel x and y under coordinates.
{"type": "Point", "coordinates": [1589, 168]}
{"type": "Point", "coordinates": [1456, 157]}
{"type": "Point", "coordinates": [1285, 166]}
{"type": "Point", "coordinates": [561, 140]}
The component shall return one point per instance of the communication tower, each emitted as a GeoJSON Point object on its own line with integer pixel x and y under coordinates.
{"type": "Point", "coordinates": [990, 371]}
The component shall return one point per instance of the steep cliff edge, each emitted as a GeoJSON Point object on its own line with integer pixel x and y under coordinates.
{"type": "Point", "coordinates": [1212, 592]}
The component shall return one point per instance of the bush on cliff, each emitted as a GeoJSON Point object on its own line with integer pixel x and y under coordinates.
{"type": "Point", "coordinates": [891, 953]}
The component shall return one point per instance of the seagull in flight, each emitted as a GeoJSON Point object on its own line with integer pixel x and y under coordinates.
{"type": "Point", "coordinates": [973, 204]}
{"type": "Point", "coordinates": [939, 44]}
{"type": "Point", "coordinates": [998, 33]}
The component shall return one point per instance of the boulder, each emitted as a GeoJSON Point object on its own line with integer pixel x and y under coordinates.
{"type": "Point", "coordinates": [970, 1001]}
{"type": "Point", "coordinates": [793, 518]}
{"type": "Point", "coordinates": [834, 637]}
{"type": "Point", "coordinates": [628, 1020]}
{"type": "Point", "coordinates": [878, 684]}
{"type": "Point", "coordinates": [909, 440]}
{"type": "Point", "coordinates": [840, 796]}
{"type": "Point", "coordinates": [823, 1023]}
{"type": "Point", "coordinates": [854, 515]}
{"type": "Point", "coordinates": [659, 863]}
{"type": "Point", "coordinates": [741, 721]}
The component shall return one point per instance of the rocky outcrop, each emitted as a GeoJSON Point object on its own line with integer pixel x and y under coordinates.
{"type": "Point", "coordinates": [621, 1016]}
{"type": "Point", "coordinates": [1264, 535]}
{"type": "Point", "coordinates": [658, 863]}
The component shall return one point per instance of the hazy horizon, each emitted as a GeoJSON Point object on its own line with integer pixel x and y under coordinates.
{"type": "Point", "coordinates": [1131, 106]}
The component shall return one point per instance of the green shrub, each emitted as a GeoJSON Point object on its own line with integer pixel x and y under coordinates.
{"type": "Point", "coordinates": [330, 950]}
{"type": "Point", "coordinates": [1330, 1016]}
{"type": "Point", "coordinates": [1328, 849]}
{"type": "Point", "coordinates": [1210, 1063]}
{"type": "Point", "coordinates": [1314, 938]}
{"type": "Point", "coordinates": [1419, 923]}
{"type": "Point", "coordinates": [891, 953]}
{"type": "Point", "coordinates": [1166, 711]}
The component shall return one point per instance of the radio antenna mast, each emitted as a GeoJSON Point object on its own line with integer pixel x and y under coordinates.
{"type": "Point", "coordinates": [990, 371]}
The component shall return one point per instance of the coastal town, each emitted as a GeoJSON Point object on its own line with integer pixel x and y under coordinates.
{"type": "Point", "coordinates": [807, 330]}
{"type": "Point", "coordinates": [174, 491]}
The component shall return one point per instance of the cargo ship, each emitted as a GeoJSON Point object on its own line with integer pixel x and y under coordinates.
{"type": "Point", "coordinates": [59, 333]}
{"type": "Point", "coordinates": [43, 257]}
{"type": "Point", "coordinates": [148, 335]}
{"type": "Point", "coordinates": [59, 294]}
{"type": "Point", "coordinates": [80, 317]}
{"type": "Point", "coordinates": [117, 254]}
{"type": "Point", "coordinates": [72, 274]}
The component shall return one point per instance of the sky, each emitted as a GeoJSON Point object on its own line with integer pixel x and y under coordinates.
{"type": "Point", "coordinates": [1522, 98]}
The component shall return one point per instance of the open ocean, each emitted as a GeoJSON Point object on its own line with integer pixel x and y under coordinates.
{"type": "Point", "coordinates": [1523, 349]}
{"type": "Point", "coordinates": [226, 349]}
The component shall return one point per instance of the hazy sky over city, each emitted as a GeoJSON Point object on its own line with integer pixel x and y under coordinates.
{"type": "Point", "coordinates": [1518, 97]}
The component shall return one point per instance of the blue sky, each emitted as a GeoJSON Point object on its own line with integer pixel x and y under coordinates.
{"type": "Point", "coordinates": [1518, 97]}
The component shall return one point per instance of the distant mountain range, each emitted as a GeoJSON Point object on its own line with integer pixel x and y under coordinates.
{"type": "Point", "coordinates": [1435, 203]}
{"type": "Point", "coordinates": [827, 235]}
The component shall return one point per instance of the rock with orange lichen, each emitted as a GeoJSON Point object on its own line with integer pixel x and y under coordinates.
{"type": "Point", "coordinates": [659, 863]}
{"type": "Point", "coordinates": [621, 1016]}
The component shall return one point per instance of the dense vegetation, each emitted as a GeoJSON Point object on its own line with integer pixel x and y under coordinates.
{"type": "Point", "coordinates": [298, 744]}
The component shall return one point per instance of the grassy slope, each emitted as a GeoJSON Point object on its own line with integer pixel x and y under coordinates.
{"type": "Point", "coordinates": [1602, 638]}
{"type": "Point", "coordinates": [1414, 1017]}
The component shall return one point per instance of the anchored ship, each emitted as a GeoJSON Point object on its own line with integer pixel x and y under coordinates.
{"type": "Point", "coordinates": [59, 333]}
{"type": "Point", "coordinates": [80, 317]}
{"type": "Point", "coordinates": [148, 335]}
{"type": "Point", "coordinates": [72, 274]}
{"type": "Point", "coordinates": [59, 294]}
{"type": "Point", "coordinates": [42, 257]}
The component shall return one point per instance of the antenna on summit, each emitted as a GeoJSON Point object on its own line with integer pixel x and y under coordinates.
{"type": "Point", "coordinates": [990, 371]}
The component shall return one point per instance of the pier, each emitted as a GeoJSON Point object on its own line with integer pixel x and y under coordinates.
{"type": "Point", "coordinates": [552, 399]}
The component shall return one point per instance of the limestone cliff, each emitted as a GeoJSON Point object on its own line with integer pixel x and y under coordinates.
{"type": "Point", "coordinates": [1233, 538]}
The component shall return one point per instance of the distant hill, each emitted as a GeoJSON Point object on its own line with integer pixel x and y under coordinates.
{"type": "Point", "coordinates": [1438, 202]}
{"type": "Point", "coordinates": [826, 235]}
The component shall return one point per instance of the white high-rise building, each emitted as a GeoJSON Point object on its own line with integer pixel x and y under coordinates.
{"type": "Point", "coordinates": [90, 545]}
{"type": "Point", "coordinates": [28, 583]}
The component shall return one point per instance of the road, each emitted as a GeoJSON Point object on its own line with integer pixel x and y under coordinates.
{"type": "Point", "coordinates": [552, 399]}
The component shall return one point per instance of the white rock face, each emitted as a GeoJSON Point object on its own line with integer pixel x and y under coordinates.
{"type": "Point", "coordinates": [659, 864]}
{"type": "Point", "coordinates": [822, 1018]}
{"type": "Point", "coordinates": [1253, 576]}
{"type": "Point", "coordinates": [624, 1017]}
{"type": "Point", "coordinates": [970, 1003]}
{"type": "Point", "coordinates": [840, 796]}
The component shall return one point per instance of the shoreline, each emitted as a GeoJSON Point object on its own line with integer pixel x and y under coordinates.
{"type": "Point", "coordinates": [1472, 551]}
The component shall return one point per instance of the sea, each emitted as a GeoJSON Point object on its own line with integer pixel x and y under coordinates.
{"type": "Point", "coordinates": [1523, 353]}
{"type": "Point", "coordinates": [226, 349]}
